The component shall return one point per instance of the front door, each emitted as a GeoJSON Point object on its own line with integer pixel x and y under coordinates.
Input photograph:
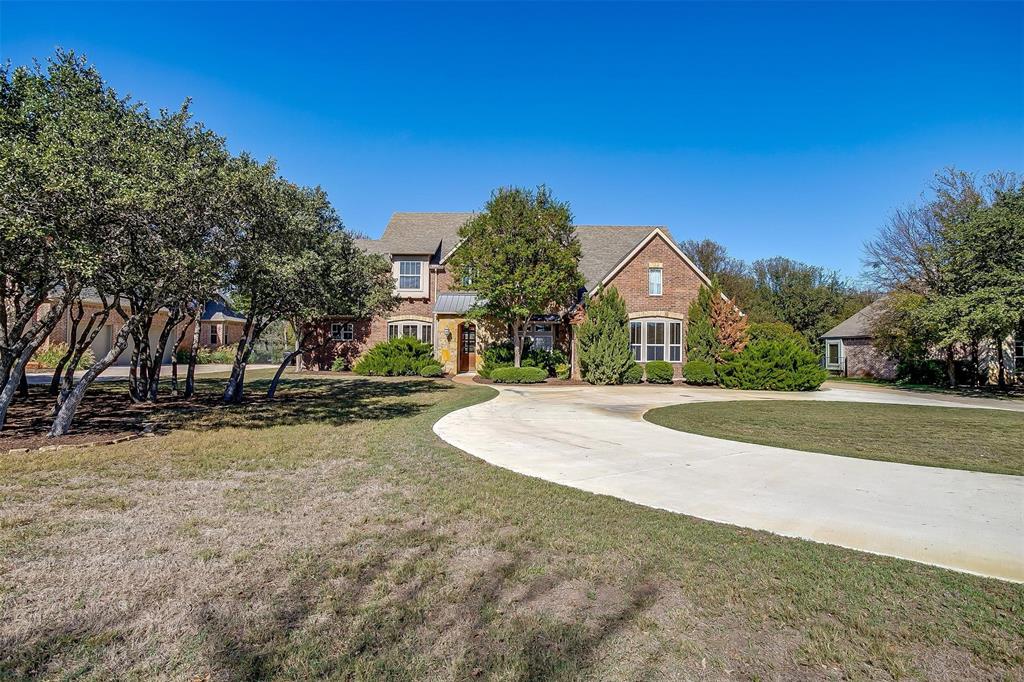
{"type": "Point", "coordinates": [467, 347]}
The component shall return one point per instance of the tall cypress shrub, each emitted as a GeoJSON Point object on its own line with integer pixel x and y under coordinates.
{"type": "Point", "coordinates": [701, 338]}
{"type": "Point", "coordinates": [603, 340]}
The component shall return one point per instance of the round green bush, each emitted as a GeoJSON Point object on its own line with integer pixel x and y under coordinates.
{"type": "Point", "coordinates": [562, 371]}
{"type": "Point", "coordinates": [519, 375]}
{"type": "Point", "coordinates": [634, 374]}
{"type": "Point", "coordinates": [659, 372]}
{"type": "Point", "coordinates": [432, 369]}
{"type": "Point", "coordinates": [699, 373]}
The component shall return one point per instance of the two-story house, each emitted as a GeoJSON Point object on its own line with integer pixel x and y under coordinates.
{"type": "Point", "coordinates": [656, 279]}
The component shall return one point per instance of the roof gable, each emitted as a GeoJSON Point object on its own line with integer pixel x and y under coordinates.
{"type": "Point", "coordinates": [859, 325]}
{"type": "Point", "coordinates": [418, 234]}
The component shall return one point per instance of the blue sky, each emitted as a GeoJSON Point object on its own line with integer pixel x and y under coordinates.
{"type": "Point", "coordinates": [777, 129]}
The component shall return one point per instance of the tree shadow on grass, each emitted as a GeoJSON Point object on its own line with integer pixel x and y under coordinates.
{"type": "Point", "coordinates": [302, 401]}
{"type": "Point", "coordinates": [107, 411]}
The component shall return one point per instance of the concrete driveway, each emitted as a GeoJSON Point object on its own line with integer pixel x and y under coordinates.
{"type": "Point", "coordinates": [595, 439]}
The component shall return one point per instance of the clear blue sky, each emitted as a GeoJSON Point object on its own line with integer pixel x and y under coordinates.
{"type": "Point", "coordinates": [778, 129]}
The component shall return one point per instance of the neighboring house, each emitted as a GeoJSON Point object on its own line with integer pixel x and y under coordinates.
{"type": "Point", "coordinates": [219, 326]}
{"type": "Point", "coordinates": [850, 351]}
{"type": "Point", "coordinates": [656, 280]}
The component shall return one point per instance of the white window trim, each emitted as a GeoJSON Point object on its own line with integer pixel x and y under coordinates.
{"type": "Point", "coordinates": [423, 329]}
{"type": "Point", "coordinates": [345, 331]}
{"type": "Point", "coordinates": [666, 347]}
{"type": "Point", "coordinates": [418, 275]}
{"type": "Point", "coordinates": [532, 334]}
{"type": "Point", "coordinates": [838, 364]}
{"type": "Point", "coordinates": [661, 281]}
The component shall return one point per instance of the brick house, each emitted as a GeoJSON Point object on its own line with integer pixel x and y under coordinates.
{"type": "Point", "coordinates": [655, 278]}
{"type": "Point", "coordinates": [850, 350]}
{"type": "Point", "coordinates": [219, 326]}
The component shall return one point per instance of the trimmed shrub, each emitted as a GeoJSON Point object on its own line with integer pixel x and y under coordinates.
{"type": "Point", "coordinates": [49, 357]}
{"type": "Point", "coordinates": [519, 375]}
{"type": "Point", "coordinates": [402, 356]}
{"type": "Point", "coordinates": [340, 364]}
{"type": "Point", "coordinates": [562, 371]}
{"type": "Point", "coordinates": [659, 372]}
{"type": "Point", "coordinates": [634, 374]}
{"type": "Point", "coordinates": [699, 373]}
{"type": "Point", "coordinates": [774, 365]}
{"type": "Point", "coordinates": [431, 370]}
{"type": "Point", "coordinates": [503, 355]}
{"type": "Point", "coordinates": [604, 340]}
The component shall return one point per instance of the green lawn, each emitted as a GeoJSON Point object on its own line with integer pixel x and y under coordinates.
{"type": "Point", "coordinates": [955, 438]}
{"type": "Point", "coordinates": [332, 535]}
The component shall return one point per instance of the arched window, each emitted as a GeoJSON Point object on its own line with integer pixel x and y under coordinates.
{"type": "Point", "coordinates": [655, 338]}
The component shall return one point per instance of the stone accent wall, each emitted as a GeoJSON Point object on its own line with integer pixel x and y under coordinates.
{"type": "Point", "coordinates": [864, 360]}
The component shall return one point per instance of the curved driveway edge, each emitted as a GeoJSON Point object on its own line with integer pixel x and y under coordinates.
{"type": "Point", "coordinates": [595, 439]}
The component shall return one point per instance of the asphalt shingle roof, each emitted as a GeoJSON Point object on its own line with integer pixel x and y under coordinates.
{"type": "Point", "coordinates": [858, 325]}
{"type": "Point", "coordinates": [436, 234]}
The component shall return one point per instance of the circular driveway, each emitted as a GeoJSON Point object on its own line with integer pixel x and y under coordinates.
{"type": "Point", "coordinates": [595, 439]}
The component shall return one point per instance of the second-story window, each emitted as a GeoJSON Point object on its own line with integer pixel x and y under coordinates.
{"type": "Point", "coordinates": [654, 281]}
{"type": "Point", "coordinates": [409, 274]}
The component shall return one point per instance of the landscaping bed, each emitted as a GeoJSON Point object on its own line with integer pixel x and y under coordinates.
{"type": "Point", "coordinates": [331, 534]}
{"type": "Point", "coordinates": [956, 438]}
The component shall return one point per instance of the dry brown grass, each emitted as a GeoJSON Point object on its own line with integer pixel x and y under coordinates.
{"type": "Point", "coordinates": [332, 535]}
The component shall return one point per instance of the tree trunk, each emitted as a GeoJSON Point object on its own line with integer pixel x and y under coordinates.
{"type": "Point", "coordinates": [190, 375]}
{"type": "Point", "coordinates": [158, 355]}
{"type": "Point", "coordinates": [238, 363]}
{"type": "Point", "coordinates": [58, 371]}
{"type": "Point", "coordinates": [950, 367]}
{"type": "Point", "coordinates": [174, 356]}
{"type": "Point", "coordinates": [517, 344]}
{"type": "Point", "coordinates": [284, 363]}
{"type": "Point", "coordinates": [62, 422]}
{"type": "Point", "coordinates": [18, 357]}
{"type": "Point", "coordinates": [1002, 364]}
{"type": "Point", "coordinates": [23, 387]}
{"type": "Point", "coordinates": [13, 386]}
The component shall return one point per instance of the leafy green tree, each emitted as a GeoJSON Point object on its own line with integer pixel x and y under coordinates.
{"type": "Point", "coordinates": [67, 155]}
{"type": "Point", "coordinates": [981, 289]}
{"type": "Point", "coordinates": [346, 281]}
{"type": "Point", "coordinates": [284, 244]}
{"type": "Point", "coordinates": [807, 297]}
{"type": "Point", "coordinates": [522, 258]}
{"type": "Point", "coordinates": [603, 340]}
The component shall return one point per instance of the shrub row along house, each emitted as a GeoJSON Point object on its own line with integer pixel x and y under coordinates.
{"type": "Point", "coordinates": [655, 278]}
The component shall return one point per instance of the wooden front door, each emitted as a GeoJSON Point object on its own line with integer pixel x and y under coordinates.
{"type": "Point", "coordinates": [467, 347]}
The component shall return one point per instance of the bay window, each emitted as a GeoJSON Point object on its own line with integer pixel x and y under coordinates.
{"type": "Point", "coordinates": [423, 331]}
{"type": "Point", "coordinates": [656, 339]}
